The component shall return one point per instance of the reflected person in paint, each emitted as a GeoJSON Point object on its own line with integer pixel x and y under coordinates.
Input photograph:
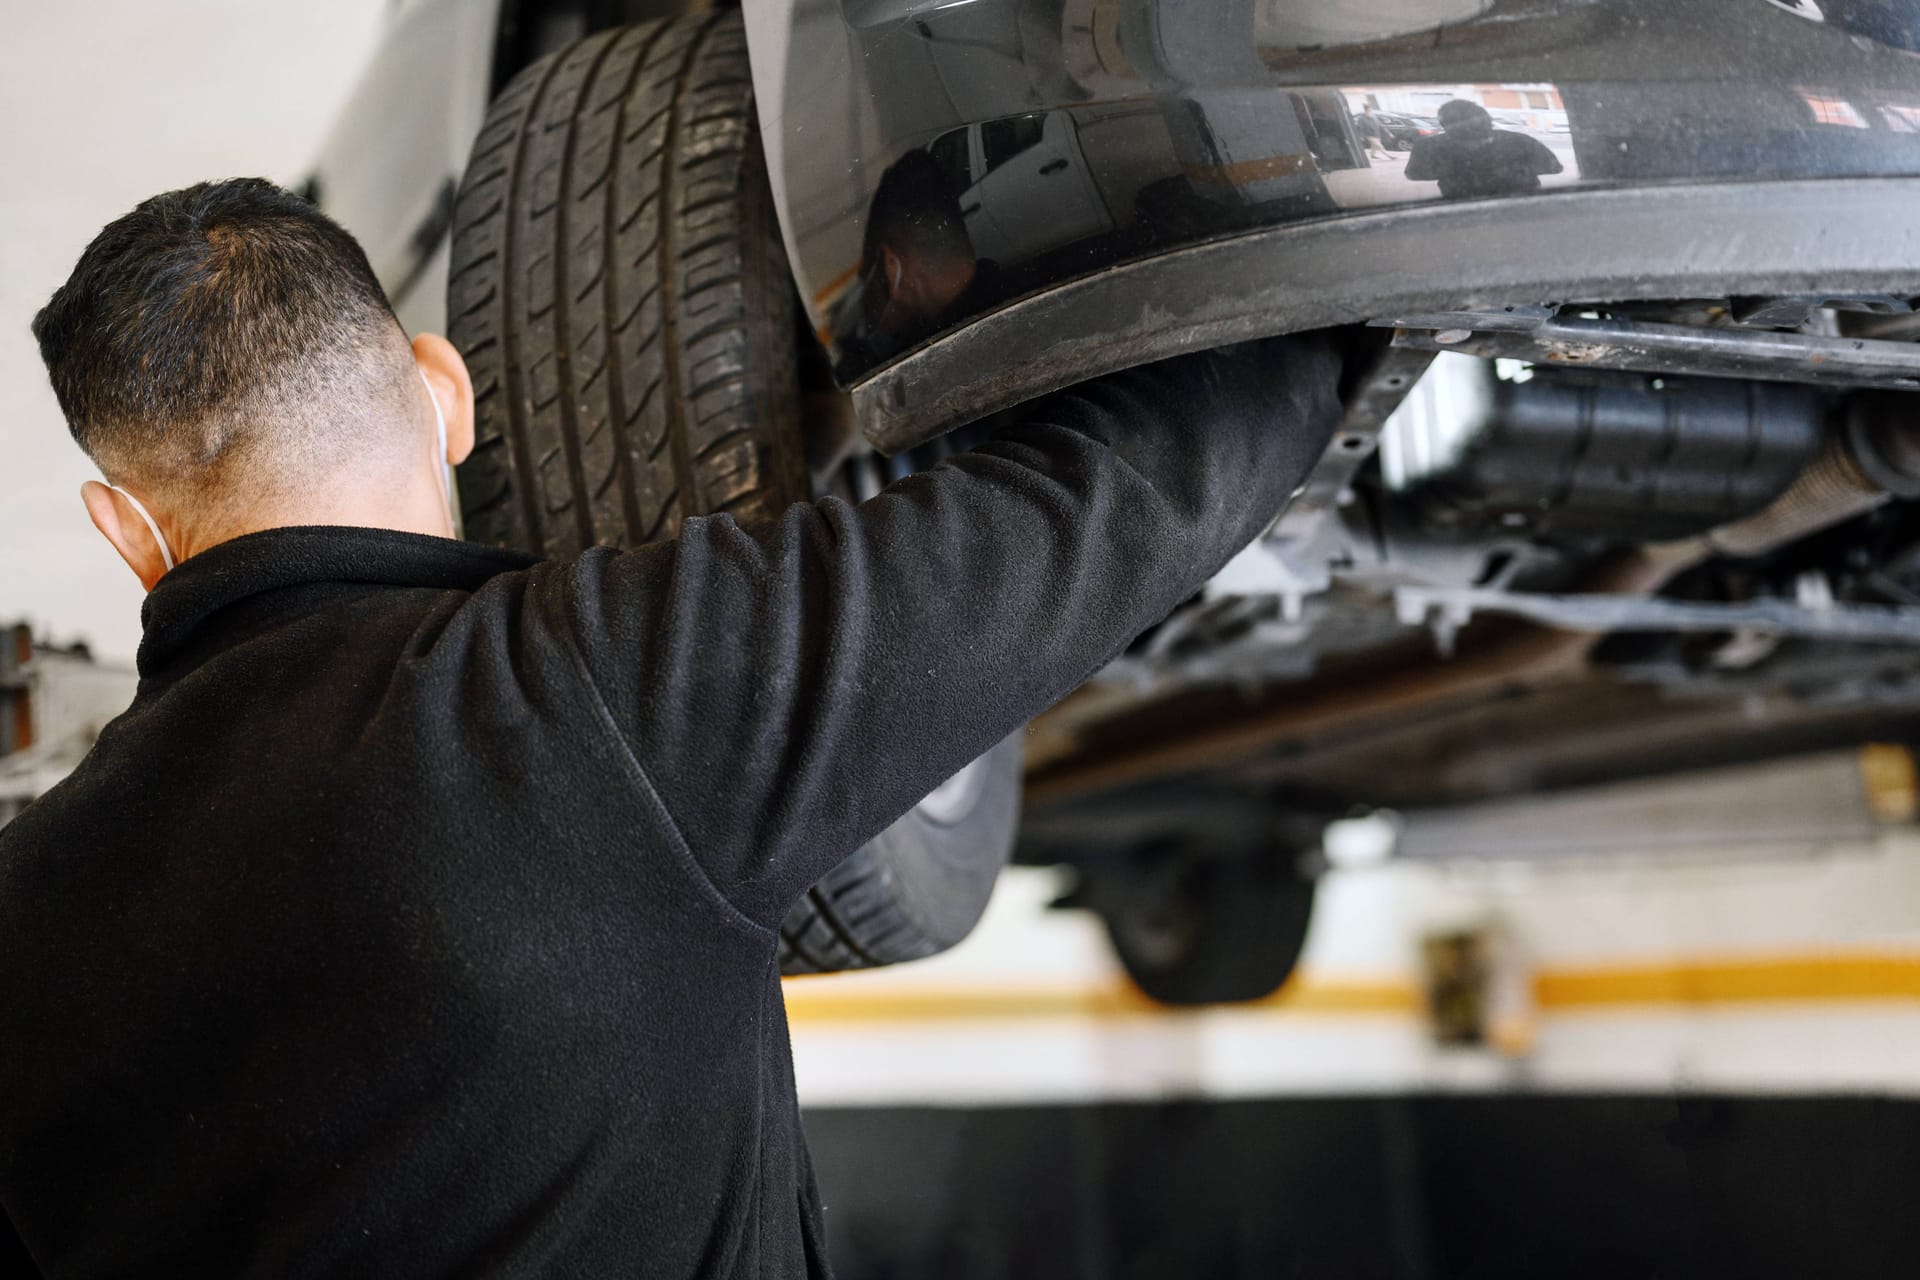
{"type": "Point", "coordinates": [1373, 131]}
{"type": "Point", "coordinates": [1472, 158]}
{"type": "Point", "coordinates": [918, 269]}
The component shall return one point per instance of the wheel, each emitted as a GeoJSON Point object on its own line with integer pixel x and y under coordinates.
{"type": "Point", "coordinates": [621, 294]}
{"type": "Point", "coordinates": [1205, 932]}
{"type": "Point", "coordinates": [865, 912]}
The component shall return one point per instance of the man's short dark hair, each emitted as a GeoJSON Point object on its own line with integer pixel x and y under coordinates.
{"type": "Point", "coordinates": [213, 320]}
{"type": "Point", "coordinates": [917, 212]}
{"type": "Point", "coordinates": [1459, 111]}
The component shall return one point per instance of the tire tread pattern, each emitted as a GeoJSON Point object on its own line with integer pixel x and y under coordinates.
{"type": "Point", "coordinates": [621, 295]}
{"type": "Point", "coordinates": [849, 920]}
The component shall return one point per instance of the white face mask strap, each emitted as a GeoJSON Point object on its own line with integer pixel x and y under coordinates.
{"type": "Point", "coordinates": [166, 553]}
{"type": "Point", "coordinates": [446, 477]}
{"type": "Point", "coordinates": [440, 429]}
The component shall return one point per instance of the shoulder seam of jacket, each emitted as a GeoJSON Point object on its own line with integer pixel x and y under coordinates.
{"type": "Point", "coordinates": [651, 794]}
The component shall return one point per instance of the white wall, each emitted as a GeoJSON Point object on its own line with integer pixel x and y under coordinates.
{"type": "Point", "coordinates": [106, 102]}
{"type": "Point", "coordinates": [1792, 969]}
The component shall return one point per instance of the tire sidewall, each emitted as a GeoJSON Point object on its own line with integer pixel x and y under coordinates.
{"type": "Point", "coordinates": [940, 876]}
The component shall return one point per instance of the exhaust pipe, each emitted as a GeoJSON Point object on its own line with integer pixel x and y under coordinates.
{"type": "Point", "coordinates": [1873, 458]}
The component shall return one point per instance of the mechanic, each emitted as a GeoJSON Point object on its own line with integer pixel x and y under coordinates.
{"type": "Point", "coordinates": [917, 265]}
{"type": "Point", "coordinates": [1472, 158]}
{"type": "Point", "coordinates": [419, 917]}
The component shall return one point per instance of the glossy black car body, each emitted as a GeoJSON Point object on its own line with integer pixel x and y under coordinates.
{"type": "Point", "coordinates": [1213, 189]}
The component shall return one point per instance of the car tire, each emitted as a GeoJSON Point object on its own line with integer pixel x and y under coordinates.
{"type": "Point", "coordinates": [1204, 932]}
{"type": "Point", "coordinates": [621, 294]}
{"type": "Point", "coordinates": [919, 886]}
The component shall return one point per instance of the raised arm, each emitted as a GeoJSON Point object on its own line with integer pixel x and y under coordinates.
{"type": "Point", "coordinates": [1542, 157]}
{"type": "Point", "coordinates": [1420, 166]}
{"type": "Point", "coordinates": [790, 688]}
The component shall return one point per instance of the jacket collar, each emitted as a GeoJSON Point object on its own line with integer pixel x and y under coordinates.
{"type": "Point", "coordinates": [255, 563]}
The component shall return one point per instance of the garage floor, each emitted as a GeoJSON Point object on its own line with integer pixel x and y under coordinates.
{"type": "Point", "coordinates": [1406, 1187]}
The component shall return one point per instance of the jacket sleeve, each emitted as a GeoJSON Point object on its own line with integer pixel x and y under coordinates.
{"type": "Point", "coordinates": [15, 1262]}
{"type": "Point", "coordinates": [790, 688]}
{"type": "Point", "coordinates": [1420, 166]}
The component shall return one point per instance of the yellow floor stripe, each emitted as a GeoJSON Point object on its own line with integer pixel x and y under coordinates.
{"type": "Point", "coordinates": [1737, 980]}
{"type": "Point", "coordinates": [845, 1002]}
{"type": "Point", "coordinates": [1871, 977]}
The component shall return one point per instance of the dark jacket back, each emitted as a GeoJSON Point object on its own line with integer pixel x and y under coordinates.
{"type": "Point", "coordinates": [419, 916]}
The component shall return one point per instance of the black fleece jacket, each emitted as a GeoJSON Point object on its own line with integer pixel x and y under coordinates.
{"type": "Point", "coordinates": [418, 917]}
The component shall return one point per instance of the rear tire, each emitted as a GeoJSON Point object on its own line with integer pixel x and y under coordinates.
{"type": "Point", "coordinates": [621, 294]}
{"type": "Point", "coordinates": [1205, 932]}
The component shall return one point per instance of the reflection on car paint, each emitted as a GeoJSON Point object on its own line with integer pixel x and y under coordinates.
{"type": "Point", "coordinates": [1893, 23]}
{"type": "Point", "coordinates": [1070, 135]}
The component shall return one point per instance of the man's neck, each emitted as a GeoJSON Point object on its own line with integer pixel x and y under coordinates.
{"type": "Point", "coordinates": [407, 511]}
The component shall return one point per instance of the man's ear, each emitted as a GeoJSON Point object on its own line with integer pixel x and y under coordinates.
{"type": "Point", "coordinates": [120, 525]}
{"type": "Point", "coordinates": [446, 373]}
{"type": "Point", "coordinates": [894, 265]}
